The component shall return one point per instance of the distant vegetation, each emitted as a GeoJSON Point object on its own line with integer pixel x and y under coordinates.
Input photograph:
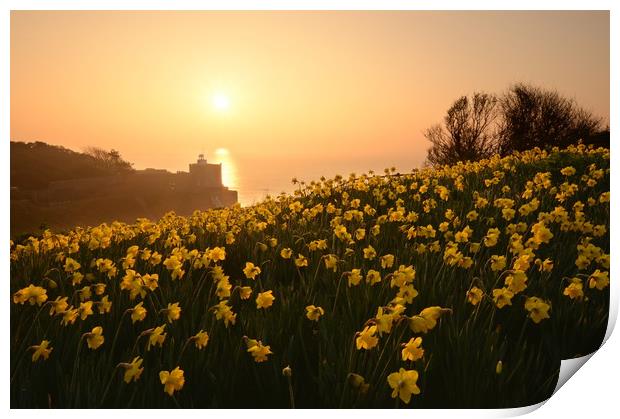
{"type": "Point", "coordinates": [524, 117]}
{"type": "Point", "coordinates": [35, 165]}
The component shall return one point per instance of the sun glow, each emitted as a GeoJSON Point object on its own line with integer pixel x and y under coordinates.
{"type": "Point", "coordinates": [221, 102]}
{"type": "Point", "coordinates": [222, 152]}
{"type": "Point", "coordinates": [229, 167]}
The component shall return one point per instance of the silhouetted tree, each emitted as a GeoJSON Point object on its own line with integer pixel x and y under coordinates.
{"type": "Point", "coordinates": [52, 163]}
{"type": "Point", "coordinates": [468, 132]}
{"type": "Point", "coordinates": [109, 160]}
{"type": "Point", "coordinates": [523, 118]}
{"type": "Point", "coordinates": [534, 117]}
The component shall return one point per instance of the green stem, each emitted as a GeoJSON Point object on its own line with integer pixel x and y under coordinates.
{"type": "Point", "coordinates": [76, 365]}
{"type": "Point", "coordinates": [133, 350]}
{"type": "Point", "coordinates": [21, 356]}
{"type": "Point", "coordinates": [107, 388]}
{"type": "Point", "coordinates": [337, 292]}
{"type": "Point", "coordinates": [290, 392]}
{"type": "Point", "coordinates": [183, 349]}
{"type": "Point", "coordinates": [120, 323]}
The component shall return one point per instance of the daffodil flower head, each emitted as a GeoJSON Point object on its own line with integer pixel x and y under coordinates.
{"type": "Point", "coordinates": [404, 384]}
{"type": "Point", "coordinates": [133, 370]}
{"type": "Point", "coordinates": [172, 380]}
{"type": "Point", "coordinates": [265, 299]}
{"type": "Point", "coordinates": [258, 351]}
{"type": "Point", "coordinates": [41, 350]}
{"type": "Point", "coordinates": [138, 313]}
{"type": "Point", "coordinates": [172, 312]}
{"type": "Point", "coordinates": [314, 313]}
{"type": "Point", "coordinates": [366, 339]}
{"type": "Point", "coordinates": [201, 339]}
{"type": "Point", "coordinates": [156, 337]}
{"type": "Point", "coordinates": [95, 338]}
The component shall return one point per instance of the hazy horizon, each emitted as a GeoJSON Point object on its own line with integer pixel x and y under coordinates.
{"type": "Point", "coordinates": [277, 95]}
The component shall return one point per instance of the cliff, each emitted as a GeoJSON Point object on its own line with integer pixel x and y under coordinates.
{"type": "Point", "coordinates": [58, 199]}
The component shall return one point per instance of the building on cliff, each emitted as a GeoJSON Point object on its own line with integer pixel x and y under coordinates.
{"type": "Point", "coordinates": [146, 193]}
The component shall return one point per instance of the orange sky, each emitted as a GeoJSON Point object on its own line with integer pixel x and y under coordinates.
{"type": "Point", "coordinates": [309, 92]}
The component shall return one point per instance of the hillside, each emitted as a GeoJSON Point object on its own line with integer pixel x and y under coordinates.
{"type": "Point", "coordinates": [53, 187]}
{"type": "Point", "coordinates": [34, 165]}
{"type": "Point", "coordinates": [452, 287]}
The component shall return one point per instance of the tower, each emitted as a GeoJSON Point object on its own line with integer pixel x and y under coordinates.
{"type": "Point", "coordinates": [203, 174]}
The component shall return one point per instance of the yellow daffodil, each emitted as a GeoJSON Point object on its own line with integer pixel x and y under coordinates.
{"type": "Point", "coordinates": [251, 271]}
{"type": "Point", "coordinates": [85, 309]}
{"type": "Point", "coordinates": [354, 277]}
{"type": "Point", "coordinates": [373, 277]}
{"type": "Point", "coordinates": [404, 384]}
{"type": "Point", "coordinates": [224, 312]}
{"type": "Point", "coordinates": [245, 292]}
{"type": "Point", "coordinates": [99, 288]}
{"type": "Point", "coordinates": [516, 282]}
{"type": "Point", "coordinates": [407, 293]}
{"type": "Point", "coordinates": [387, 261]}
{"type": "Point", "coordinates": [502, 297]}
{"type": "Point", "coordinates": [331, 262]}
{"type": "Point", "coordinates": [474, 295]}
{"type": "Point", "coordinates": [574, 290]}
{"type": "Point", "coordinates": [537, 308]}
{"type": "Point", "coordinates": [172, 380]}
{"type": "Point", "coordinates": [156, 337]}
{"type": "Point", "coordinates": [314, 313]}
{"type": "Point", "coordinates": [223, 288]}
{"type": "Point", "coordinates": [138, 312]}
{"type": "Point", "coordinates": [41, 350]}
{"type": "Point", "coordinates": [95, 338]}
{"type": "Point", "coordinates": [427, 319]}
{"type": "Point", "coordinates": [541, 234]}
{"type": "Point", "coordinates": [151, 281]}
{"type": "Point", "coordinates": [69, 316]}
{"type": "Point", "coordinates": [369, 252]}
{"type": "Point", "coordinates": [301, 261]}
{"type": "Point", "coordinates": [172, 312]}
{"type": "Point", "coordinates": [201, 339]}
{"type": "Point", "coordinates": [286, 253]}
{"type": "Point", "coordinates": [366, 339]}
{"type": "Point", "coordinates": [31, 294]}
{"type": "Point", "coordinates": [105, 305]}
{"type": "Point", "coordinates": [265, 299]}
{"type": "Point", "coordinates": [133, 370]}
{"type": "Point", "coordinates": [259, 351]}
{"type": "Point", "coordinates": [71, 265]}
{"type": "Point", "coordinates": [84, 293]}
{"type": "Point", "coordinates": [59, 305]}
{"type": "Point", "coordinates": [218, 254]}
{"type": "Point", "coordinates": [498, 262]}
{"type": "Point", "coordinates": [544, 265]}
{"type": "Point", "coordinates": [360, 233]}
{"type": "Point", "coordinates": [598, 280]}
{"type": "Point", "coordinates": [412, 350]}
{"type": "Point", "coordinates": [76, 278]}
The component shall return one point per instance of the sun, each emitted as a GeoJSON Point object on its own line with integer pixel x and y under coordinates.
{"type": "Point", "coordinates": [221, 101]}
